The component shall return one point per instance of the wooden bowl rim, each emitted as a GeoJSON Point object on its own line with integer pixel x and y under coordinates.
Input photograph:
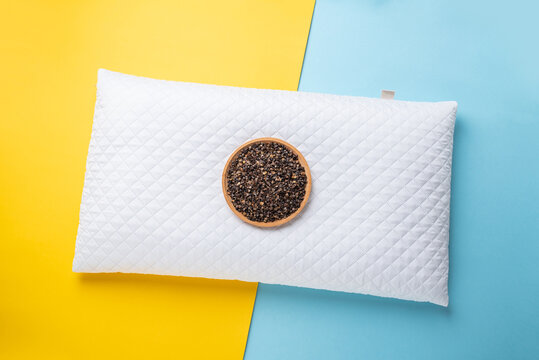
{"type": "Point", "coordinates": [302, 161]}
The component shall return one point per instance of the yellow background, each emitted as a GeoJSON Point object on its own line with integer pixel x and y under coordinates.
{"type": "Point", "coordinates": [49, 55]}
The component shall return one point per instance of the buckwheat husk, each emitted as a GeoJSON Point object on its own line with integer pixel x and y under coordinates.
{"type": "Point", "coordinates": [266, 182]}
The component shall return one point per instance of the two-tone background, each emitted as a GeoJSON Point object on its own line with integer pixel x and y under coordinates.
{"type": "Point", "coordinates": [482, 54]}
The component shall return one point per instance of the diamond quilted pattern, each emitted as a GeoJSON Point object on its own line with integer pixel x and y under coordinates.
{"type": "Point", "coordinates": [377, 221]}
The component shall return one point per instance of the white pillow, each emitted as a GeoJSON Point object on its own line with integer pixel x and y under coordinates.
{"type": "Point", "coordinates": [377, 221]}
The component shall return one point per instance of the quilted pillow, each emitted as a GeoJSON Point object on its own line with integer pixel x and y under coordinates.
{"type": "Point", "coordinates": [377, 221]}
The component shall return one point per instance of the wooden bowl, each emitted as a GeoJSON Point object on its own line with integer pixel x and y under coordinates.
{"type": "Point", "coordinates": [302, 161]}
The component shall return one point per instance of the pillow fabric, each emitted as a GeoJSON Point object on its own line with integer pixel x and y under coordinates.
{"type": "Point", "coordinates": [377, 220]}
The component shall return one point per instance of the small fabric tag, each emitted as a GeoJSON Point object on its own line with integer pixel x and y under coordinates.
{"type": "Point", "coordinates": [387, 94]}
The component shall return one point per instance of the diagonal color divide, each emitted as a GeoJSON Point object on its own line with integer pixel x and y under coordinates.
{"type": "Point", "coordinates": [50, 55]}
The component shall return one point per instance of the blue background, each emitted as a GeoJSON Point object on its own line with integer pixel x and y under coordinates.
{"type": "Point", "coordinates": [484, 55]}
